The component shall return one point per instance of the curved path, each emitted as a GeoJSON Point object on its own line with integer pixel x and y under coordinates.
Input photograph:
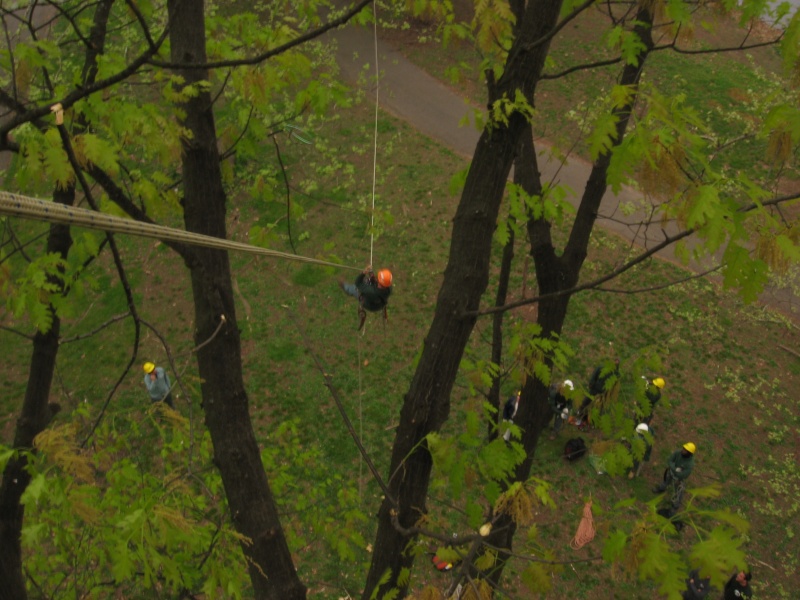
{"type": "Point", "coordinates": [411, 94]}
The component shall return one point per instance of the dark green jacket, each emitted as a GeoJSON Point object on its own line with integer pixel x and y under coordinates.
{"type": "Point", "coordinates": [371, 297]}
{"type": "Point", "coordinates": [678, 461]}
{"type": "Point", "coordinates": [653, 394]}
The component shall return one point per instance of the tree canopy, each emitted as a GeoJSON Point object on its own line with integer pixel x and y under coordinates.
{"type": "Point", "coordinates": [222, 120]}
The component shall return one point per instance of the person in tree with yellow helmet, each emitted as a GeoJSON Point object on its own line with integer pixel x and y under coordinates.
{"type": "Point", "coordinates": [157, 383]}
{"type": "Point", "coordinates": [679, 467]}
{"type": "Point", "coordinates": [372, 291]}
{"type": "Point", "coordinates": [652, 391]}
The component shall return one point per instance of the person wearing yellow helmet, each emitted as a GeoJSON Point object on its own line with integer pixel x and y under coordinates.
{"type": "Point", "coordinates": [652, 391]}
{"type": "Point", "coordinates": [679, 467]}
{"type": "Point", "coordinates": [157, 383]}
{"type": "Point", "coordinates": [372, 291]}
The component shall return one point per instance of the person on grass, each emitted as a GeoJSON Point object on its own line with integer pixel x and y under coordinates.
{"type": "Point", "coordinates": [679, 467]}
{"type": "Point", "coordinates": [738, 586]}
{"type": "Point", "coordinates": [157, 383]}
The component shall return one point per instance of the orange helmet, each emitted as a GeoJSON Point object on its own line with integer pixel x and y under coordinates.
{"type": "Point", "coordinates": [385, 278]}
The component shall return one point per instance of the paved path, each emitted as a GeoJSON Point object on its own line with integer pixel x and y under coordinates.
{"type": "Point", "coordinates": [434, 109]}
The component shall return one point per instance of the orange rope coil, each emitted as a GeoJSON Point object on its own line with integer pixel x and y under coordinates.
{"type": "Point", "coordinates": [586, 530]}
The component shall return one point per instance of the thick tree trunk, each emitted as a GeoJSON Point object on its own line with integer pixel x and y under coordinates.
{"type": "Point", "coordinates": [35, 416]}
{"type": "Point", "coordinates": [36, 412]}
{"type": "Point", "coordinates": [225, 401]}
{"type": "Point", "coordinates": [558, 273]}
{"type": "Point", "coordinates": [427, 404]}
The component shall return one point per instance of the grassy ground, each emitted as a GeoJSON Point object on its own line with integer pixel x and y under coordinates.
{"type": "Point", "coordinates": [730, 376]}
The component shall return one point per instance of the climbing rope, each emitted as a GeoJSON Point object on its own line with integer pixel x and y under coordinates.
{"type": "Point", "coordinates": [586, 531]}
{"type": "Point", "coordinates": [16, 205]}
{"type": "Point", "coordinates": [375, 134]}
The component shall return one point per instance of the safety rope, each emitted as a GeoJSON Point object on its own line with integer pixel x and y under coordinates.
{"type": "Point", "coordinates": [375, 135]}
{"type": "Point", "coordinates": [586, 530]}
{"type": "Point", "coordinates": [371, 231]}
{"type": "Point", "coordinates": [17, 205]}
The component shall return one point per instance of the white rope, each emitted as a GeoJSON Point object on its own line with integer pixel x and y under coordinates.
{"type": "Point", "coordinates": [375, 137]}
{"type": "Point", "coordinates": [17, 205]}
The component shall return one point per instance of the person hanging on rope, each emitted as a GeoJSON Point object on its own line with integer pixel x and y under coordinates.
{"type": "Point", "coordinates": [372, 291]}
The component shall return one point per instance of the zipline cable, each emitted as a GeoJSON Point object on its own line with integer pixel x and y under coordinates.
{"type": "Point", "coordinates": [17, 205]}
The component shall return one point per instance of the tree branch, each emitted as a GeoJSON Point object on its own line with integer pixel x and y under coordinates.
{"type": "Point", "coordinates": [259, 58]}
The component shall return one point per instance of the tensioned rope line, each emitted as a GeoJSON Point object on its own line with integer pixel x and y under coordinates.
{"type": "Point", "coordinates": [375, 135]}
{"type": "Point", "coordinates": [17, 205]}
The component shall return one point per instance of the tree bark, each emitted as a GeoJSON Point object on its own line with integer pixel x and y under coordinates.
{"type": "Point", "coordinates": [426, 406]}
{"type": "Point", "coordinates": [225, 400]}
{"type": "Point", "coordinates": [34, 417]}
{"type": "Point", "coordinates": [556, 273]}
{"type": "Point", "coordinates": [36, 413]}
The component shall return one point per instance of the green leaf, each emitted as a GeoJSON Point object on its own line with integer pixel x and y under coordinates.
{"type": "Point", "coordinates": [614, 546]}
{"type": "Point", "coordinates": [55, 160]}
{"type": "Point", "coordinates": [486, 560]}
{"type": "Point", "coordinates": [704, 205]}
{"type": "Point", "coordinates": [5, 456]}
{"type": "Point", "coordinates": [536, 578]}
{"type": "Point", "coordinates": [602, 136]}
{"type": "Point", "coordinates": [34, 490]}
{"type": "Point", "coordinates": [122, 565]}
{"type": "Point", "coordinates": [719, 553]}
{"type": "Point", "coordinates": [744, 272]}
{"type": "Point", "coordinates": [32, 534]}
{"type": "Point", "coordinates": [738, 522]}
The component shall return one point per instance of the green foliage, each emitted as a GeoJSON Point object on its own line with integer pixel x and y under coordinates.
{"type": "Point", "coordinates": [719, 554]}
{"type": "Point", "coordinates": [102, 519]}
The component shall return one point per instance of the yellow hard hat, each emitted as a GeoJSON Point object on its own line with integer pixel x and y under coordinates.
{"type": "Point", "coordinates": [148, 367]}
{"type": "Point", "coordinates": [689, 446]}
{"type": "Point", "coordinates": [659, 382]}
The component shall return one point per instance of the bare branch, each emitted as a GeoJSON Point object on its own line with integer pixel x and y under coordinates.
{"type": "Point", "coordinates": [335, 395]}
{"type": "Point", "coordinates": [259, 58]}
{"type": "Point", "coordinates": [97, 330]}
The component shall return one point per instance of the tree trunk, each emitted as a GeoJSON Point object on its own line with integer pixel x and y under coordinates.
{"type": "Point", "coordinates": [427, 404]}
{"type": "Point", "coordinates": [225, 400]}
{"type": "Point", "coordinates": [35, 416]}
{"type": "Point", "coordinates": [36, 412]}
{"type": "Point", "coordinates": [558, 273]}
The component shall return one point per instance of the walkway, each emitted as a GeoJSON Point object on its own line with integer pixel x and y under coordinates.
{"type": "Point", "coordinates": [431, 107]}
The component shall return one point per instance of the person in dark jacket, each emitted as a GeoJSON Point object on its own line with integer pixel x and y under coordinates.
{"type": "Point", "coordinates": [679, 467]}
{"type": "Point", "coordinates": [372, 291]}
{"type": "Point", "coordinates": [645, 433]}
{"type": "Point", "coordinates": [652, 392]}
{"type": "Point", "coordinates": [603, 381]}
{"type": "Point", "coordinates": [697, 588]}
{"type": "Point", "coordinates": [560, 404]}
{"type": "Point", "coordinates": [738, 586]}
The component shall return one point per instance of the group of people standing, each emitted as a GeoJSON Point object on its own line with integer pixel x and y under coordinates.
{"type": "Point", "coordinates": [603, 390]}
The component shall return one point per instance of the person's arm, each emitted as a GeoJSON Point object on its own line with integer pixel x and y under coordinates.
{"type": "Point", "coordinates": [683, 468]}
{"type": "Point", "coordinates": [671, 463]}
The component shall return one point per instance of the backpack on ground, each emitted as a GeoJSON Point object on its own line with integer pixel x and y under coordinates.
{"type": "Point", "coordinates": [574, 449]}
